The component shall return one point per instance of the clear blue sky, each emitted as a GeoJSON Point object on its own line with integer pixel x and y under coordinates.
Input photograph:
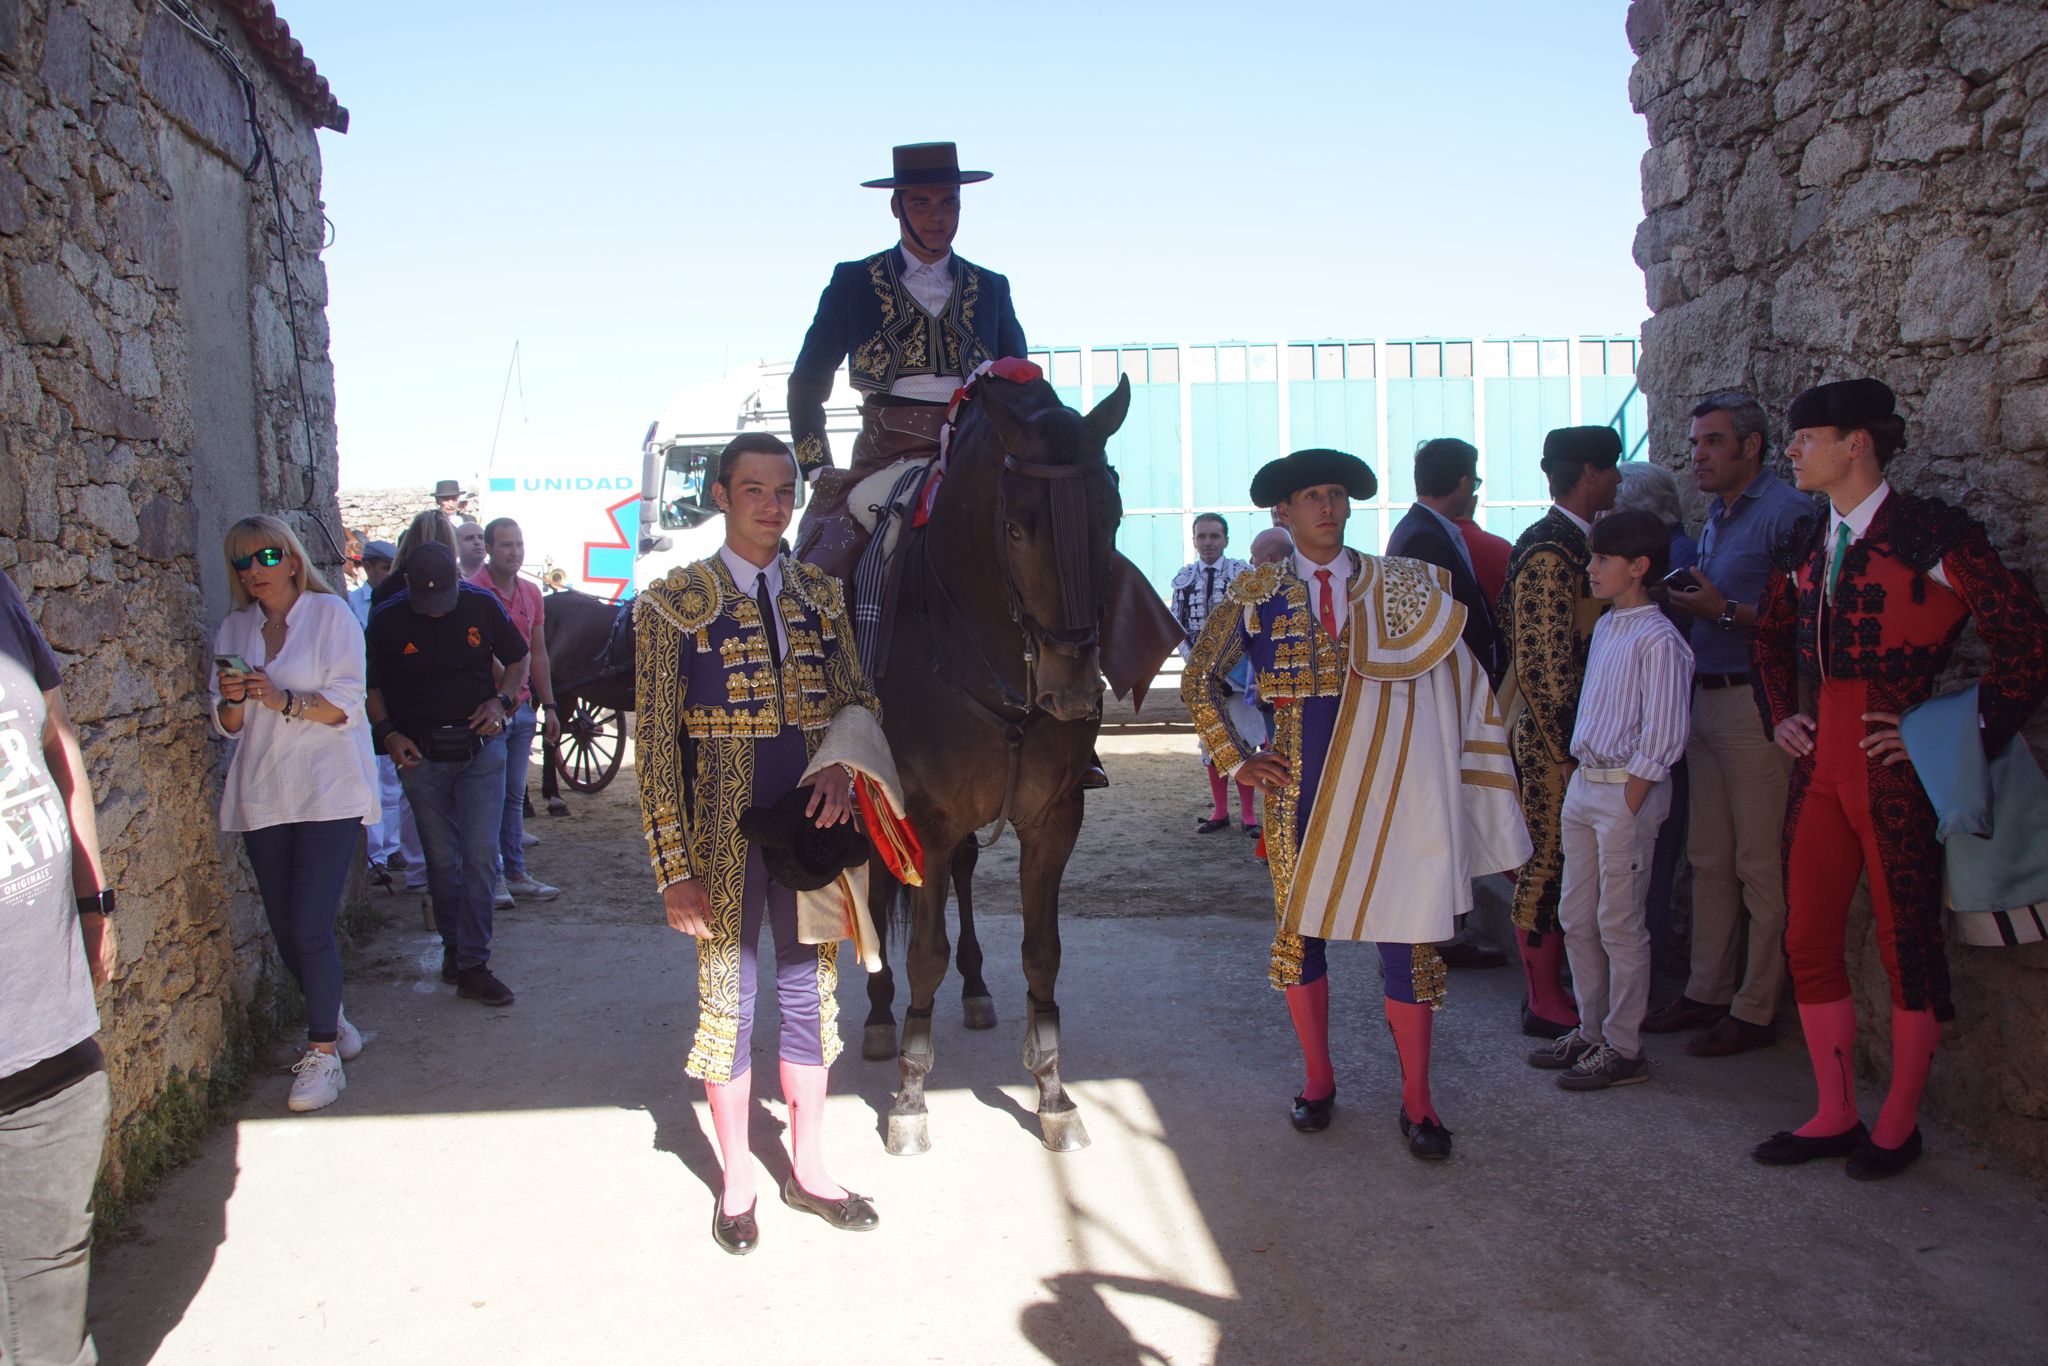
{"type": "Point", "coordinates": [646, 194]}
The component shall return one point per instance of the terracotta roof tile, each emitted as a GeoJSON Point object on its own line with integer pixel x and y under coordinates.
{"type": "Point", "coordinates": [272, 38]}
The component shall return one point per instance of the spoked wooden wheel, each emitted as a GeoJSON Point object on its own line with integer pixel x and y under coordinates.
{"type": "Point", "coordinates": [592, 745]}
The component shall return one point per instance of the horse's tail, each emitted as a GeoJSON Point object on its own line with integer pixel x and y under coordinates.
{"type": "Point", "coordinates": [887, 905]}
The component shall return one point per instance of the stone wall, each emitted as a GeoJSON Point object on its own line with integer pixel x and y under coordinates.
{"type": "Point", "coordinates": [1841, 189]}
{"type": "Point", "coordinates": [381, 514]}
{"type": "Point", "coordinates": [147, 399]}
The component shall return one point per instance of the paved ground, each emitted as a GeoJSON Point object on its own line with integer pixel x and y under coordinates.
{"type": "Point", "coordinates": [532, 1185]}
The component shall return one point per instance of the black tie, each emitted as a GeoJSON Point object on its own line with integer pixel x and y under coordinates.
{"type": "Point", "coordinates": [1209, 594]}
{"type": "Point", "coordinates": [767, 605]}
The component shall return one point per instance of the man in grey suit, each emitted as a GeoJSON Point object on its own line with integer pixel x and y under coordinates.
{"type": "Point", "coordinates": [1447, 488]}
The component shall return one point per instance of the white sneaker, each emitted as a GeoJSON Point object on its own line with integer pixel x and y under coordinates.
{"type": "Point", "coordinates": [317, 1083]}
{"type": "Point", "coordinates": [501, 896]}
{"type": "Point", "coordinates": [527, 839]}
{"type": "Point", "coordinates": [531, 887]}
{"type": "Point", "coordinates": [348, 1040]}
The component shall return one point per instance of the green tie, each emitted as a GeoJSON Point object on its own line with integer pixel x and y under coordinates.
{"type": "Point", "coordinates": [1835, 563]}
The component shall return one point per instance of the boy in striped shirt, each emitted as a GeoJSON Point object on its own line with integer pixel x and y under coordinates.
{"type": "Point", "coordinates": [1635, 714]}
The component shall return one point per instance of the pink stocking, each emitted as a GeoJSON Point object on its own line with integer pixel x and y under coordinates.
{"type": "Point", "coordinates": [1915, 1036]}
{"type": "Point", "coordinates": [1244, 804]}
{"type": "Point", "coordinates": [730, 1102]}
{"type": "Point", "coordinates": [1543, 968]}
{"type": "Point", "coordinates": [803, 1086]}
{"type": "Point", "coordinates": [1412, 1024]}
{"type": "Point", "coordinates": [1831, 1043]}
{"type": "Point", "coordinates": [1217, 792]}
{"type": "Point", "coordinates": [1310, 1007]}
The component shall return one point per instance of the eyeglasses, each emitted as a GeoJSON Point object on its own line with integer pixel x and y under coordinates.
{"type": "Point", "coordinates": [270, 557]}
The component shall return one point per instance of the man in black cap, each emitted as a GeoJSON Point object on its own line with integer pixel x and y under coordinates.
{"type": "Point", "coordinates": [1387, 781]}
{"type": "Point", "coordinates": [1546, 617]}
{"type": "Point", "coordinates": [911, 323]}
{"type": "Point", "coordinates": [1861, 614]}
{"type": "Point", "coordinates": [437, 710]}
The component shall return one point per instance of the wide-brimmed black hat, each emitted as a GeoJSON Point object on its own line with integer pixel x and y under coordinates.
{"type": "Point", "coordinates": [795, 851]}
{"type": "Point", "coordinates": [1581, 446]}
{"type": "Point", "coordinates": [447, 488]}
{"type": "Point", "coordinates": [1279, 480]}
{"type": "Point", "coordinates": [926, 163]}
{"type": "Point", "coordinates": [1848, 404]}
{"type": "Point", "coordinates": [432, 582]}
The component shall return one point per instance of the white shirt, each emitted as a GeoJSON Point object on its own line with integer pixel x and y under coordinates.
{"type": "Point", "coordinates": [931, 284]}
{"type": "Point", "coordinates": [1635, 707]}
{"type": "Point", "coordinates": [1340, 586]}
{"type": "Point", "coordinates": [359, 603]}
{"type": "Point", "coordinates": [282, 772]}
{"type": "Point", "coordinates": [748, 577]}
{"type": "Point", "coordinates": [1859, 518]}
{"type": "Point", "coordinates": [1585, 527]}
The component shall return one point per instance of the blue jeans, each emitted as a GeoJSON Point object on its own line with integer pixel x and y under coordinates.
{"type": "Point", "coordinates": [301, 870]}
{"type": "Point", "coordinates": [519, 730]}
{"type": "Point", "coordinates": [458, 808]}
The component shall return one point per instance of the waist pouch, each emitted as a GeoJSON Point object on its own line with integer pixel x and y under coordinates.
{"type": "Point", "coordinates": [37, 1082]}
{"type": "Point", "coordinates": [449, 744]}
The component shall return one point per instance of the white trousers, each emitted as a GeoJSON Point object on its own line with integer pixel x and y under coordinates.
{"type": "Point", "coordinates": [1607, 855]}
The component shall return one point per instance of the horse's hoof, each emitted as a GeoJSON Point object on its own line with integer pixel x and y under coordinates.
{"type": "Point", "coordinates": [909, 1135]}
{"type": "Point", "coordinates": [978, 1012]}
{"type": "Point", "coordinates": [557, 807]}
{"type": "Point", "coordinates": [1063, 1132]}
{"type": "Point", "coordinates": [878, 1042]}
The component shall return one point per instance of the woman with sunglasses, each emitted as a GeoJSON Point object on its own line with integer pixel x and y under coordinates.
{"type": "Point", "coordinates": [288, 685]}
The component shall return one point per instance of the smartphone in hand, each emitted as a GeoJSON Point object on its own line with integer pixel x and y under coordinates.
{"type": "Point", "coordinates": [231, 664]}
{"type": "Point", "coordinates": [1683, 581]}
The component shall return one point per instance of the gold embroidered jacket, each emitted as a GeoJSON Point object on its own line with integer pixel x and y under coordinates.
{"type": "Point", "coordinates": [868, 320]}
{"type": "Point", "coordinates": [1547, 614]}
{"type": "Point", "coordinates": [708, 688]}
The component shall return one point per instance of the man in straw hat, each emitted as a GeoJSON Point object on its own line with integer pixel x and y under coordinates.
{"type": "Point", "coordinates": [1387, 782]}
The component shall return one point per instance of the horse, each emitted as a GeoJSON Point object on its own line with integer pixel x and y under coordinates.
{"type": "Point", "coordinates": [991, 689]}
{"type": "Point", "coordinates": [579, 628]}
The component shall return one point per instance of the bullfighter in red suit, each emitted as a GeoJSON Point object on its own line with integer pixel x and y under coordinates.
{"type": "Point", "coordinates": [1863, 611]}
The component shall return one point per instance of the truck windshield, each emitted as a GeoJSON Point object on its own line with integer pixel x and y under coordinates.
{"type": "Point", "coordinates": [686, 487]}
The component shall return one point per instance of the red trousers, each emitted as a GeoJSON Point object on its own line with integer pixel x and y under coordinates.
{"type": "Point", "coordinates": [1831, 840]}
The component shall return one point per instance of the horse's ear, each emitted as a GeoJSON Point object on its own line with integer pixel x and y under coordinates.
{"type": "Point", "coordinates": [1109, 414]}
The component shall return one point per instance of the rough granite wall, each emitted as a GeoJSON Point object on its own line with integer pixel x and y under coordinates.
{"type": "Point", "coordinates": [101, 105]}
{"type": "Point", "coordinates": [381, 514]}
{"type": "Point", "coordinates": [1839, 189]}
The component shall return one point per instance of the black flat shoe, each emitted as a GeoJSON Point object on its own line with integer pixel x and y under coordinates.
{"type": "Point", "coordinates": [1466, 953]}
{"type": "Point", "coordinates": [850, 1212]}
{"type": "Point", "coordinates": [1094, 778]}
{"type": "Point", "coordinates": [1429, 1140]}
{"type": "Point", "coordinates": [1252, 832]}
{"type": "Point", "coordinates": [1787, 1149]}
{"type": "Point", "coordinates": [1312, 1116]}
{"type": "Point", "coordinates": [1536, 1027]}
{"type": "Point", "coordinates": [1212, 825]}
{"type": "Point", "coordinates": [736, 1233]}
{"type": "Point", "coordinates": [1871, 1163]}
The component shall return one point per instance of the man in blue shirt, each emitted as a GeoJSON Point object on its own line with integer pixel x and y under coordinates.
{"type": "Point", "coordinates": [1738, 777]}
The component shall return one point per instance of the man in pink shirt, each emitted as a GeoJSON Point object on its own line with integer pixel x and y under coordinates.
{"type": "Point", "coordinates": [504, 555]}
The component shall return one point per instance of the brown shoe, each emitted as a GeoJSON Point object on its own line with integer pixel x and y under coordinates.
{"type": "Point", "coordinates": [1730, 1036]}
{"type": "Point", "coordinates": [1683, 1013]}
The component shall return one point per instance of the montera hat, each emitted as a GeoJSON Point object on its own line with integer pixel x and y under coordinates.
{"type": "Point", "coordinates": [1581, 446]}
{"type": "Point", "coordinates": [1849, 404]}
{"type": "Point", "coordinates": [432, 583]}
{"type": "Point", "coordinates": [794, 851]}
{"type": "Point", "coordinates": [1279, 480]}
{"type": "Point", "coordinates": [447, 488]}
{"type": "Point", "coordinates": [926, 163]}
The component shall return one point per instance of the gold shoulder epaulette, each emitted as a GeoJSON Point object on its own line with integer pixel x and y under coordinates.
{"type": "Point", "coordinates": [1254, 586]}
{"type": "Point", "coordinates": [817, 588]}
{"type": "Point", "coordinates": [688, 595]}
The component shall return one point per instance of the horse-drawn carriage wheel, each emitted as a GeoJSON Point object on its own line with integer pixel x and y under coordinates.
{"type": "Point", "coordinates": [592, 745]}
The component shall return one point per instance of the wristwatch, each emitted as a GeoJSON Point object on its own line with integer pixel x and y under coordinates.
{"type": "Point", "coordinates": [97, 903]}
{"type": "Point", "coordinates": [508, 704]}
{"type": "Point", "coordinates": [1726, 621]}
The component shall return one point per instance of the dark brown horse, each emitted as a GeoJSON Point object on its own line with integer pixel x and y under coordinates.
{"type": "Point", "coordinates": [991, 695]}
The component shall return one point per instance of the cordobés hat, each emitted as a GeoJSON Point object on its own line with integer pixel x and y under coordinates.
{"type": "Point", "coordinates": [431, 582]}
{"type": "Point", "coordinates": [1279, 480]}
{"type": "Point", "coordinates": [1848, 404]}
{"type": "Point", "coordinates": [926, 163]}
{"type": "Point", "coordinates": [794, 851]}
{"type": "Point", "coordinates": [447, 488]}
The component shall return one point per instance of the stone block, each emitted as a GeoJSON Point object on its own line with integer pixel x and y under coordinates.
{"type": "Point", "coordinates": [49, 307]}
{"type": "Point", "coordinates": [166, 529]}
{"type": "Point", "coordinates": [1877, 194]}
{"type": "Point", "coordinates": [77, 622]}
{"type": "Point", "coordinates": [13, 200]}
{"type": "Point", "coordinates": [1959, 414]}
{"type": "Point", "coordinates": [1989, 40]}
{"type": "Point", "coordinates": [2023, 419]}
{"type": "Point", "coordinates": [1836, 152]}
{"type": "Point", "coordinates": [1808, 312]}
{"type": "Point", "coordinates": [1667, 175]}
{"type": "Point", "coordinates": [2034, 146]}
{"type": "Point", "coordinates": [191, 87]}
{"type": "Point", "coordinates": [1700, 345]}
{"type": "Point", "coordinates": [148, 227]}
{"type": "Point", "coordinates": [67, 57]}
{"type": "Point", "coordinates": [10, 29]}
{"type": "Point", "coordinates": [1948, 294]}
{"type": "Point", "coordinates": [139, 377]}
{"type": "Point", "coordinates": [1758, 210]}
{"type": "Point", "coordinates": [1929, 125]}
{"type": "Point", "coordinates": [124, 133]}
{"type": "Point", "coordinates": [107, 509]}
{"type": "Point", "coordinates": [1645, 23]}
{"type": "Point", "coordinates": [96, 407]}
{"type": "Point", "coordinates": [1887, 88]}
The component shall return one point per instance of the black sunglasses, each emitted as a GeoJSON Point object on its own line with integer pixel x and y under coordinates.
{"type": "Point", "coordinates": [270, 557]}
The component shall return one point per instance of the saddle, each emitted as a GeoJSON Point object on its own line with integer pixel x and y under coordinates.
{"type": "Point", "coordinates": [617, 655]}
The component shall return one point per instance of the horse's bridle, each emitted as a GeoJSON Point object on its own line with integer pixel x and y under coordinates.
{"type": "Point", "coordinates": [1014, 712]}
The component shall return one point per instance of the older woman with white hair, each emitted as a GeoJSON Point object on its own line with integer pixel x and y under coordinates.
{"type": "Point", "coordinates": [288, 689]}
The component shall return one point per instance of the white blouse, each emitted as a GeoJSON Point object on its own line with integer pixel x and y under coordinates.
{"type": "Point", "coordinates": [288, 771]}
